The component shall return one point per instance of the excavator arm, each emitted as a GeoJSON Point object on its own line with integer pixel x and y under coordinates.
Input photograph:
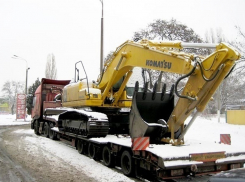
{"type": "Point", "coordinates": [204, 76]}
{"type": "Point", "coordinates": [202, 83]}
{"type": "Point", "coordinates": [163, 120]}
{"type": "Point", "coordinates": [131, 54]}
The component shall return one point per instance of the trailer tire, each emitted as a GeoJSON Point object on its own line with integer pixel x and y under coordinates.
{"type": "Point", "coordinates": [80, 147]}
{"type": "Point", "coordinates": [36, 127]}
{"type": "Point", "coordinates": [52, 134]}
{"type": "Point", "coordinates": [46, 130]}
{"type": "Point", "coordinates": [127, 164]}
{"type": "Point", "coordinates": [91, 151]}
{"type": "Point", "coordinates": [107, 157]}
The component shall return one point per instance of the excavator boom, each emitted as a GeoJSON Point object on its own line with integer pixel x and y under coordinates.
{"type": "Point", "coordinates": [154, 114]}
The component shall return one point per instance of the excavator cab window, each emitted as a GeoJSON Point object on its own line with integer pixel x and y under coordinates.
{"type": "Point", "coordinates": [130, 91]}
{"type": "Point", "coordinates": [76, 78]}
{"type": "Point", "coordinates": [77, 72]}
{"type": "Point", "coordinates": [117, 85]}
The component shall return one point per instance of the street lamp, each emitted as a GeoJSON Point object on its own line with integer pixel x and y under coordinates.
{"type": "Point", "coordinates": [17, 57]}
{"type": "Point", "coordinates": [101, 40]}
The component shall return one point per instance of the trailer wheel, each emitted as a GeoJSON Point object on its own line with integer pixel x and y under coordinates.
{"type": "Point", "coordinates": [91, 151]}
{"type": "Point", "coordinates": [80, 147]}
{"type": "Point", "coordinates": [36, 127]}
{"type": "Point", "coordinates": [52, 134]}
{"type": "Point", "coordinates": [46, 129]}
{"type": "Point", "coordinates": [127, 164]}
{"type": "Point", "coordinates": [107, 157]}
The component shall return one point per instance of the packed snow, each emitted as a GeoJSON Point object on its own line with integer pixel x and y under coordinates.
{"type": "Point", "coordinates": [203, 136]}
{"type": "Point", "coordinates": [7, 119]}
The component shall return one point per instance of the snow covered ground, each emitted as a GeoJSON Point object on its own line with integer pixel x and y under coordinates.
{"type": "Point", "coordinates": [204, 131]}
{"type": "Point", "coordinates": [203, 136]}
{"type": "Point", "coordinates": [207, 130]}
{"type": "Point", "coordinates": [11, 120]}
{"type": "Point", "coordinates": [82, 163]}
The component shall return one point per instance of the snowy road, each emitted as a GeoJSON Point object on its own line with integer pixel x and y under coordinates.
{"type": "Point", "coordinates": [10, 169]}
{"type": "Point", "coordinates": [27, 157]}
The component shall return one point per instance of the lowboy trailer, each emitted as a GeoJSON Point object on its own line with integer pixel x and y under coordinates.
{"type": "Point", "coordinates": [155, 162]}
{"type": "Point", "coordinates": [141, 129]}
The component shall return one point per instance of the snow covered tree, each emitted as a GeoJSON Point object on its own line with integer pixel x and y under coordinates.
{"type": "Point", "coordinates": [167, 31]}
{"type": "Point", "coordinates": [51, 70]}
{"type": "Point", "coordinates": [10, 90]}
{"type": "Point", "coordinates": [232, 90]}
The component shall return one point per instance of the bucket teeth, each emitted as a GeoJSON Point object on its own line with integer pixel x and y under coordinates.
{"type": "Point", "coordinates": [163, 91]}
{"type": "Point", "coordinates": [148, 111]}
{"type": "Point", "coordinates": [154, 91]}
{"type": "Point", "coordinates": [136, 88]}
{"type": "Point", "coordinates": [145, 91]}
{"type": "Point", "coordinates": [171, 91]}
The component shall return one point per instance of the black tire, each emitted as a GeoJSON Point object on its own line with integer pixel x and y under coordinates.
{"type": "Point", "coordinates": [91, 151]}
{"type": "Point", "coordinates": [127, 164]}
{"type": "Point", "coordinates": [36, 127]}
{"type": "Point", "coordinates": [52, 134]}
{"type": "Point", "coordinates": [107, 157]}
{"type": "Point", "coordinates": [46, 130]}
{"type": "Point", "coordinates": [80, 147]}
{"type": "Point", "coordinates": [57, 136]}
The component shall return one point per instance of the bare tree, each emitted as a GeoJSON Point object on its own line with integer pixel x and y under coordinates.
{"type": "Point", "coordinates": [230, 92]}
{"type": "Point", "coordinates": [167, 30]}
{"type": "Point", "coordinates": [51, 70]}
{"type": "Point", "coordinates": [173, 30]}
{"type": "Point", "coordinates": [10, 90]}
{"type": "Point", "coordinates": [217, 36]}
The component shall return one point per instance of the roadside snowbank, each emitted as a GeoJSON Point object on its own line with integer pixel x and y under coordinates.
{"type": "Point", "coordinates": [11, 120]}
{"type": "Point", "coordinates": [208, 130]}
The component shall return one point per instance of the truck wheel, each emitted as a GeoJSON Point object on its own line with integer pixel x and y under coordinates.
{"type": "Point", "coordinates": [127, 164]}
{"type": "Point", "coordinates": [52, 134]}
{"type": "Point", "coordinates": [80, 147]}
{"type": "Point", "coordinates": [91, 151]}
{"type": "Point", "coordinates": [46, 130]}
{"type": "Point", "coordinates": [36, 127]}
{"type": "Point", "coordinates": [107, 157]}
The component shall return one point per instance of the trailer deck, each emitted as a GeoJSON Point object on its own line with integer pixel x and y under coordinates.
{"type": "Point", "coordinates": [169, 161]}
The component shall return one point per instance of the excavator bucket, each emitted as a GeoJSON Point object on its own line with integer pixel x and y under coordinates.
{"type": "Point", "coordinates": [149, 113]}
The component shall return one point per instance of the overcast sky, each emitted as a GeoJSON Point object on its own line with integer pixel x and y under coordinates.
{"type": "Point", "coordinates": [70, 29]}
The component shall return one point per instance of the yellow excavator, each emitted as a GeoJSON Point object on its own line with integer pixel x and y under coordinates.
{"type": "Point", "coordinates": [147, 113]}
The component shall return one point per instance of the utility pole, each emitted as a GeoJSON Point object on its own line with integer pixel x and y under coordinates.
{"type": "Point", "coordinates": [101, 39]}
{"type": "Point", "coordinates": [17, 57]}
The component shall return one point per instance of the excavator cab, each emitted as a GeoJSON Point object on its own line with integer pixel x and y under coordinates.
{"type": "Point", "coordinates": [150, 111]}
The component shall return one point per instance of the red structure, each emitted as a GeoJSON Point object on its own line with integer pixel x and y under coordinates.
{"type": "Point", "coordinates": [225, 138]}
{"type": "Point", "coordinates": [21, 106]}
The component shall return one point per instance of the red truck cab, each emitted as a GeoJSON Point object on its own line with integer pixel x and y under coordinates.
{"type": "Point", "coordinates": [47, 95]}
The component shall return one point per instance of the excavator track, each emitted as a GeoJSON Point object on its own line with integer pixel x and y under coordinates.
{"type": "Point", "coordinates": [84, 123]}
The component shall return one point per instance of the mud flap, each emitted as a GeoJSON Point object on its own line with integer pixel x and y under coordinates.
{"type": "Point", "coordinates": [149, 113]}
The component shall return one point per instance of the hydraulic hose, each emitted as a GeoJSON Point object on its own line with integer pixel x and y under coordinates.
{"type": "Point", "coordinates": [183, 77]}
{"type": "Point", "coordinates": [230, 71]}
{"type": "Point", "coordinates": [208, 80]}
